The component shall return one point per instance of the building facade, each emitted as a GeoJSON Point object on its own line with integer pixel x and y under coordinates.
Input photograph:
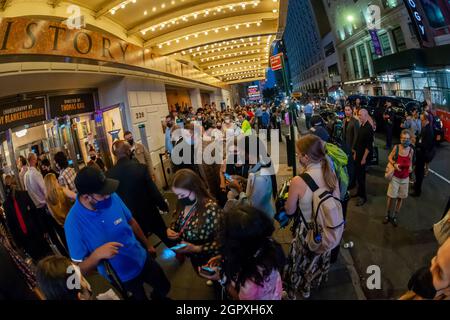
{"type": "Point", "coordinates": [303, 40]}
{"type": "Point", "coordinates": [394, 59]}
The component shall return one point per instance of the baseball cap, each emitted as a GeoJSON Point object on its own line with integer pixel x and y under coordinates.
{"type": "Point", "coordinates": [92, 180]}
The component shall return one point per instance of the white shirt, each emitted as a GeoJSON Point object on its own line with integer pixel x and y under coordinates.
{"type": "Point", "coordinates": [34, 184]}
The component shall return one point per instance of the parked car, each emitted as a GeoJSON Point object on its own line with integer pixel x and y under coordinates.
{"type": "Point", "coordinates": [400, 105]}
{"type": "Point", "coordinates": [364, 99]}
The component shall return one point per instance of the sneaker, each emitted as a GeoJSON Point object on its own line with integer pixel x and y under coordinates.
{"type": "Point", "coordinates": [361, 202]}
{"type": "Point", "coordinates": [386, 219]}
{"type": "Point", "coordinates": [394, 222]}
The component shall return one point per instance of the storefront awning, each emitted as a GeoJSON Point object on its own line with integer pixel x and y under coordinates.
{"type": "Point", "coordinates": [424, 58]}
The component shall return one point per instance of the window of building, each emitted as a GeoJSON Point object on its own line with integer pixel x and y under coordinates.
{"type": "Point", "coordinates": [329, 49]}
{"type": "Point", "coordinates": [389, 4]}
{"type": "Point", "coordinates": [364, 60]}
{"type": "Point", "coordinates": [399, 39]}
{"type": "Point", "coordinates": [434, 13]}
{"type": "Point", "coordinates": [333, 70]}
{"type": "Point", "coordinates": [384, 39]}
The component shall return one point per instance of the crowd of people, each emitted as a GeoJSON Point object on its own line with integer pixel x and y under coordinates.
{"type": "Point", "coordinates": [100, 218]}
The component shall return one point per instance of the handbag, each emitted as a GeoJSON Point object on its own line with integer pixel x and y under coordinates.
{"type": "Point", "coordinates": [442, 229]}
{"type": "Point", "coordinates": [390, 169]}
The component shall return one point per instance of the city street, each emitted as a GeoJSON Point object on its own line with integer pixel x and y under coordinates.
{"type": "Point", "coordinates": [397, 251]}
{"type": "Point", "coordinates": [106, 106]}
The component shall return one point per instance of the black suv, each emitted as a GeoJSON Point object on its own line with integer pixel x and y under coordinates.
{"type": "Point", "coordinates": [377, 106]}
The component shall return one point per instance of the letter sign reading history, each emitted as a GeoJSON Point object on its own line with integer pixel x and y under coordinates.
{"type": "Point", "coordinates": [20, 113]}
{"type": "Point", "coordinates": [71, 104]}
{"type": "Point", "coordinates": [33, 36]}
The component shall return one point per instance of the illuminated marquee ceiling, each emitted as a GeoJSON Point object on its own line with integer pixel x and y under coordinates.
{"type": "Point", "coordinates": [229, 39]}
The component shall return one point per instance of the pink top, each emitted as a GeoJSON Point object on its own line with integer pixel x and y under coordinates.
{"type": "Point", "coordinates": [271, 290]}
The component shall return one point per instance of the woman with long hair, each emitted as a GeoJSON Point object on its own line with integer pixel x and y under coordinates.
{"type": "Point", "coordinates": [196, 224]}
{"type": "Point", "coordinates": [251, 262]}
{"type": "Point", "coordinates": [261, 185]}
{"type": "Point", "coordinates": [59, 199]}
{"type": "Point", "coordinates": [306, 269]}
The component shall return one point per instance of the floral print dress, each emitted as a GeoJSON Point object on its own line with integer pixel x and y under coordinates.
{"type": "Point", "coordinates": [201, 229]}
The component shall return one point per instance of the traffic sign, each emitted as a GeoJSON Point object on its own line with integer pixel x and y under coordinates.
{"type": "Point", "coordinates": [276, 62]}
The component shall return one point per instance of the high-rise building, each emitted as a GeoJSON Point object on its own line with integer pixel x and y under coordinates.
{"type": "Point", "coordinates": [306, 27]}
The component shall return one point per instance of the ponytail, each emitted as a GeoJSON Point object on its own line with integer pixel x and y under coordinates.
{"type": "Point", "coordinates": [328, 174]}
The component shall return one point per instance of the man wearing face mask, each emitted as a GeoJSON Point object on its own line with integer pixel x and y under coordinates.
{"type": "Point", "coordinates": [102, 234]}
{"type": "Point", "coordinates": [168, 133]}
{"type": "Point", "coordinates": [432, 282]}
{"type": "Point", "coordinates": [139, 192]}
{"type": "Point", "coordinates": [96, 160]}
{"type": "Point", "coordinates": [140, 153]}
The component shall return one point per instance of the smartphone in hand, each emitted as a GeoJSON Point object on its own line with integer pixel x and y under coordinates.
{"type": "Point", "coordinates": [207, 270]}
{"type": "Point", "coordinates": [228, 177]}
{"type": "Point", "coordinates": [178, 247]}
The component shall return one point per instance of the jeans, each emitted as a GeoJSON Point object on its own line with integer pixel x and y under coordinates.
{"type": "Point", "coordinates": [152, 274]}
{"type": "Point", "coordinates": [308, 120]}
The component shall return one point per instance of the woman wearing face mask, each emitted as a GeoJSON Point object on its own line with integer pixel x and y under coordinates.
{"type": "Point", "coordinates": [95, 160]}
{"type": "Point", "coordinates": [401, 158]}
{"type": "Point", "coordinates": [307, 269]}
{"type": "Point", "coordinates": [228, 127]}
{"type": "Point", "coordinates": [216, 133]}
{"type": "Point", "coordinates": [261, 185]}
{"type": "Point", "coordinates": [197, 222]}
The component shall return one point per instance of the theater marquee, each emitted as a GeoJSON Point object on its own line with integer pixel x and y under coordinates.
{"type": "Point", "coordinates": [29, 36]}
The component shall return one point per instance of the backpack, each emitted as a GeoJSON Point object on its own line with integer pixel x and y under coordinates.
{"type": "Point", "coordinates": [327, 226]}
{"type": "Point", "coordinates": [340, 161]}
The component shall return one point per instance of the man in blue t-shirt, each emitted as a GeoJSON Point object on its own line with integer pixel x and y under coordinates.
{"type": "Point", "coordinates": [308, 110]}
{"type": "Point", "coordinates": [102, 234]}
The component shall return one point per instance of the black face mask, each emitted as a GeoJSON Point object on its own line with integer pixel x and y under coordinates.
{"type": "Point", "coordinates": [131, 142]}
{"type": "Point", "coordinates": [93, 158]}
{"type": "Point", "coordinates": [421, 283]}
{"type": "Point", "coordinates": [169, 125]}
{"type": "Point", "coordinates": [186, 201]}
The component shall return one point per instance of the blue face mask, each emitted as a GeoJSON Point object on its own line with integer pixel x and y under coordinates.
{"type": "Point", "coordinates": [103, 204]}
{"type": "Point", "coordinates": [406, 143]}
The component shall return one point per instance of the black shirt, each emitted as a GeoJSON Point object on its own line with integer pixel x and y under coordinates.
{"type": "Point", "coordinates": [389, 112]}
{"type": "Point", "coordinates": [364, 140]}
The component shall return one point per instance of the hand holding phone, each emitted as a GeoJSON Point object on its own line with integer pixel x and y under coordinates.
{"type": "Point", "coordinates": [208, 270]}
{"type": "Point", "coordinates": [178, 246]}
{"type": "Point", "coordinates": [228, 177]}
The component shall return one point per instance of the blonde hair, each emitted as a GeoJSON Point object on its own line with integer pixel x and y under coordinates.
{"type": "Point", "coordinates": [56, 199]}
{"type": "Point", "coordinates": [313, 147]}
